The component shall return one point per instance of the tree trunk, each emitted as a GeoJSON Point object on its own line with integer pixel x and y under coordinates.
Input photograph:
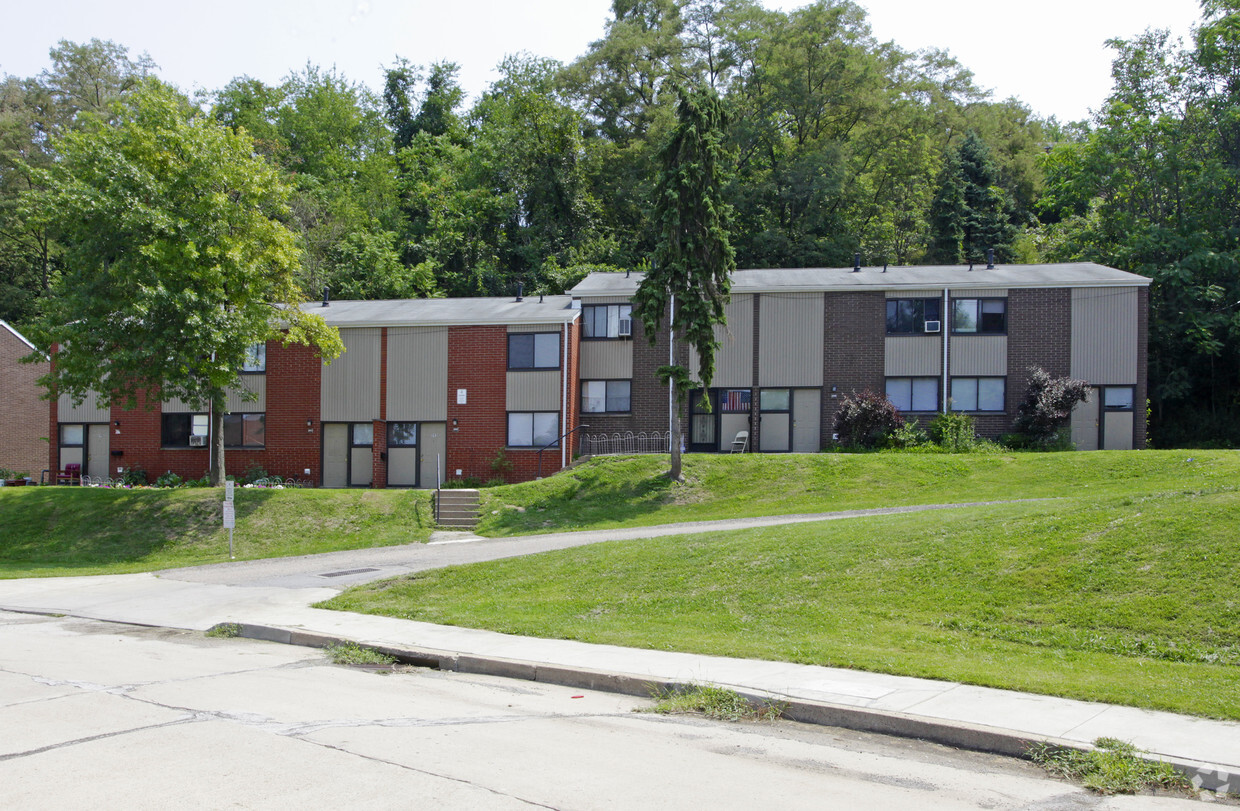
{"type": "Point", "coordinates": [674, 473]}
{"type": "Point", "coordinates": [217, 442]}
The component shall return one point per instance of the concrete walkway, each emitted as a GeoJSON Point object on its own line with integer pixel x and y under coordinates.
{"type": "Point", "coordinates": [272, 600]}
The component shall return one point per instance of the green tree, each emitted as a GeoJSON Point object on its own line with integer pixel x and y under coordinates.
{"type": "Point", "coordinates": [971, 212]}
{"type": "Point", "coordinates": [689, 281]}
{"type": "Point", "coordinates": [174, 263]}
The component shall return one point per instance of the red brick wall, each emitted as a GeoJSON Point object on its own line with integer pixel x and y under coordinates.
{"type": "Point", "coordinates": [854, 351]}
{"type": "Point", "coordinates": [292, 447]}
{"type": "Point", "coordinates": [1039, 334]}
{"type": "Point", "coordinates": [23, 415]}
{"type": "Point", "coordinates": [478, 363]}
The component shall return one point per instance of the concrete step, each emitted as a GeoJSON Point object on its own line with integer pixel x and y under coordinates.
{"type": "Point", "coordinates": [457, 508]}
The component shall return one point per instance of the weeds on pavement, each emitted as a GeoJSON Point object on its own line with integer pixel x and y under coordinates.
{"type": "Point", "coordinates": [1113, 767]}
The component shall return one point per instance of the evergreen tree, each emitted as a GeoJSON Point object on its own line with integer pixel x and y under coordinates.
{"type": "Point", "coordinates": [694, 255]}
{"type": "Point", "coordinates": [971, 212]}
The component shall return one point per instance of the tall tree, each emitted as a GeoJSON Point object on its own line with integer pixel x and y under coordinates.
{"type": "Point", "coordinates": [689, 281]}
{"type": "Point", "coordinates": [175, 262]}
{"type": "Point", "coordinates": [971, 212]}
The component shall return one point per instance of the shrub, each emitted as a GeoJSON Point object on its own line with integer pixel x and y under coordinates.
{"type": "Point", "coordinates": [168, 479]}
{"type": "Point", "coordinates": [908, 435]}
{"type": "Point", "coordinates": [133, 476]}
{"type": "Point", "coordinates": [253, 473]}
{"type": "Point", "coordinates": [1046, 411]}
{"type": "Point", "coordinates": [865, 420]}
{"type": "Point", "coordinates": [953, 431]}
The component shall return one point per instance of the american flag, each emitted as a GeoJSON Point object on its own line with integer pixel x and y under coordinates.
{"type": "Point", "coordinates": [736, 400]}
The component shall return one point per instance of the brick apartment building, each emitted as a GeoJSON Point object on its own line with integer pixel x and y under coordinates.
{"type": "Point", "coordinates": [427, 390]}
{"type": "Point", "coordinates": [443, 389]}
{"type": "Point", "coordinates": [23, 416]}
{"type": "Point", "coordinates": [930, 338]}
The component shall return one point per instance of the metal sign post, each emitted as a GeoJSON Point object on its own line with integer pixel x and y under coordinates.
{"type": "Point", "coordinates": [230, 516]}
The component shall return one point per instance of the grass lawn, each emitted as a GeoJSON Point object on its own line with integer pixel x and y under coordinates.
{"type": "Point", "coordinates": [628, 491]}
{"type": "Point", "coordinates": [1131, 599]}
{"type": "Point", "coordinates": [87, 530]}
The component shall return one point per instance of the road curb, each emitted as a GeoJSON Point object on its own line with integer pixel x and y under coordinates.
{"type": "Point", "coordinates": [957, 734]}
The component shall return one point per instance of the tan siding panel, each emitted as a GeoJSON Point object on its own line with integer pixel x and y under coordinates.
{"type": "Point", "coordinates": [1104, 335]}
{"type": "Point", "coordinates": [533, 328]}
{"type": "Point", "coordinates": [913, 356]}
{"type": "Point", "coordinates": [236, 400]}
{"type": "Point", "coordinates": [175, 405]}
{"type": "Point", "coordinates": [588, 300]}
{"type": "Point", "coordinates": [927, 293]}
{"type": "Point", "coordinates": [1085, 423]}
{"type": "Point", "coordinates": [533, 391]}
{"type": "Point", "coordinates": [417, 373]}
{"type": "Point", "coordinates": [982, 355]}
{"type": "Point", "coordinates": [790, 349]}
{"type": "Point", "coordinates": [88, 411]}
{"type": "Point", "coordinates": [350, 385]}
{"type": "Point", "coordinates": [981, 292]}
{"type": "Point", "coordinates": [1117, 431]}
{"type": "Point", "coordinates": [734, 361]}
{"type": "Point", "coordinates": [606, 360]}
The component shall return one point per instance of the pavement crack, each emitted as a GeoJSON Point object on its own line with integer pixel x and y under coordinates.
{"type": "Point", "coordinates": [101, 736]}
{"type": "Point", "coordinates": [406, 767]}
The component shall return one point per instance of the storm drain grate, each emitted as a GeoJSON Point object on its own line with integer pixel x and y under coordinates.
{"type": "Point", "coordinates": [348, 571]}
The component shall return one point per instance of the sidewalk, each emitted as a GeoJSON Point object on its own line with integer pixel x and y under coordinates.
{"type": "Point", "coordinates": [955, 714]}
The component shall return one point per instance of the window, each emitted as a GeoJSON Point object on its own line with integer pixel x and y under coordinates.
{"type": "Point", "coordinates": [402, 434]}
{"type": "Point", "coordinates": [533, 429]}
{"type": "Point", "coordinates": [534, 350]}
{"type": "Point", "coordinates": [1117, 398]}
{"type": "Point", "coordinates": [908, 316]}
{"type": "Point", "coordinates": [775, 400]}
{"type": "Point", "coordinates": [914, 393]}
{"type": "Point", "coordinates": [183, 431]}
{"type": "Point", "coordinates": [72, 436]}
{"type": "Point", "coordinates": [736, 401]}
{"type": "Point", "coordinates": [605, 321]}
{"type": "Point", "coordinates": [255, 359]}
{"type": "Point", "coordinates": [601, 396]}
{"type": "Point", "coordinates": [362, 435]}
{"type": "Point", "coordinates": [979, 316]}
{"type": "Point", "coordinates": [978, 393]}
{"type": "Point", "coordinates": [245, 430]}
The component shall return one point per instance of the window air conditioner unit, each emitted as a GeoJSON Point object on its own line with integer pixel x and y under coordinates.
{"type": "Point", "coordinates": [932, 326]}
{"type": "Point", "coordinates": [197, 441]}
{"type": "Point", "coordinates": [626, 328]}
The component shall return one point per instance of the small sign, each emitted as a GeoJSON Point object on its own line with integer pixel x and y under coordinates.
{"type": "Point", "coordinates": [228, 490]}
{"type": "Point", "coordinates": [230, 515]}
{"type": "Point", "coordinates": [460, 396]}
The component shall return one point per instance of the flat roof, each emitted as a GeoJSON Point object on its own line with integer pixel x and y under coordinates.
{"type": "Point", "coordinates": [446, 311]}
{"type": "Point", "coordinates": [912, 277]}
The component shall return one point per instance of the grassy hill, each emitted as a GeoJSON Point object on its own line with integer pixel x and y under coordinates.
{"type": "Point", "coordinates": [86, 530]}
{"type": "Point", "coordinates": [1126, 591]}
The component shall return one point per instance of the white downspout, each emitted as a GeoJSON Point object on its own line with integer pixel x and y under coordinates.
{"type": "Point", "coordinates": [945, 327]}
{"type": "Point", "coordinates": [671, 385]}
{"type": "Point", "coordinates": [564, 402]}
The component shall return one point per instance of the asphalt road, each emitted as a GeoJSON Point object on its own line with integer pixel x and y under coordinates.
{"type": "Point", "coordinates": [99, 715]}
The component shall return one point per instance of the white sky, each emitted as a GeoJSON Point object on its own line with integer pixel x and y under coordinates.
{"type": "Point", "coordinates": [1050, 54]}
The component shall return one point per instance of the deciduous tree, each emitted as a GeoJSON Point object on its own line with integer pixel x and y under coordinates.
{"type": "Point", "coordinates": [175, 263]}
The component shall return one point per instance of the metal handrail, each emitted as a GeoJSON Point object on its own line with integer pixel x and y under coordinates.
{"type": "Point", "coordinates": [555, 444]}
{"type": "Point", "coordinates": [438, 487]}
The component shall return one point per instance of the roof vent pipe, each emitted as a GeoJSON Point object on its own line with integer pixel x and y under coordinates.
{"type": "Point", "coordinates": [540, 298]}
{"type": "Point", "coordinates": [626, 273]}
{"type": "Point", "coordinates": [884, 267]}
{"type": "Point", "coordinates": [326, 292]}
{"type": "Point", "coordinates": [856, 263]}
{"type": "Point", "coordinates": [970, 267]}
{"type": "Point", "coordinates": [520, 290]}
{"type": "Point", "coordinates": [990, 258]}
